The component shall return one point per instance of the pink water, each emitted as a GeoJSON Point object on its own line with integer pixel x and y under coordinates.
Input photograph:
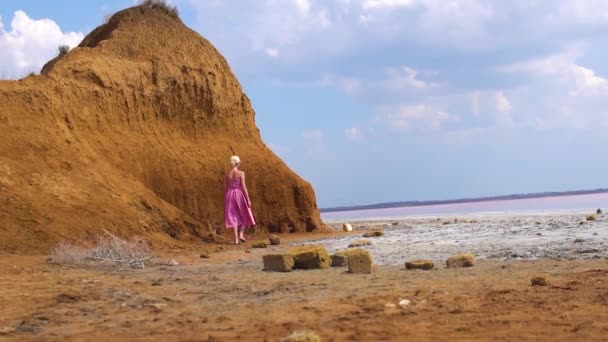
{"type": "Point", "coordinates": [578, 203]}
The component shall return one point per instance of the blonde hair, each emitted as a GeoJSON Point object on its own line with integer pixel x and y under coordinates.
{"type": "Point", "coordinates": [235, 160]}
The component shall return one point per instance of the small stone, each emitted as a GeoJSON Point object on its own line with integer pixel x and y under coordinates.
{"type": "Point", "coordinates": [539, 234]}
{"type": "Point", "coordinates": [310, 257]}
{"type": "Point", "coordinates": [540, 281]}
{"type": "Point", "coordinates": [6, 330]}
{"type": "Point", "coordinates": [302, 336]}
{"type": "Point", "coordinates": [404, 302]}
{"type": "Point", "coordinates": [360, 243]}
{"type": "Point", "coordinates": [390, 305]}
{"type": "Point", "coordinates": [360, 261]}
{"type": "Point", "coordinates": [274, 240]}
{"type": "Point", "coordinates": [248, 251]}
{"type": "Point", "coordinates": [445, 223]}
{"type": "Point", "coordinates": [395, 223]}
{"type": "Point", "coordinates": [347, 227]}
{"type": "Point", "coordinates": [156, 306]}
{"type": "Point", "coordinates": [374, 233]}
{"type": "Point", "coordinates": [461, 260]}
{"type": "Point", "coordinates": [420, 265]}
{"type": "Point", "coordinates": [260, 245]}
{"type": "Point", "coordinates": [338, 260]}
{"type": "Point", "coordinates": [579, 240]}
{"type": "Point", "coordinates": [172, 262]}
{"type": "Point", "coordinates": [278, 262]}
{"type": "Point", "coordinates": [595, 234]}
{"type": "Point", "coordinates": [205, 255]}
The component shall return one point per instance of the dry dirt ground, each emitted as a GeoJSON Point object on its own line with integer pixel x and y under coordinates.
{"type": "Point", "coordinates": [228, 297]}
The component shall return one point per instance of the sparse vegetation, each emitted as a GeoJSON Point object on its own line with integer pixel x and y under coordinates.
{"type": "Point", "coordinates": [302, 336]}
{"type": "Point", "coordinates": [63, 50]}
{"type": "Point", "coordinates": [107, 249]}
{"type": "Point", "coordinates": [170, 10]}
{"type": "Point", "coordinates": [591, 218]}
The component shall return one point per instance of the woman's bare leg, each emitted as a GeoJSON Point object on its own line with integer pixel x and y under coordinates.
{"type": "Point", "coordinates": [242, 233]}
{"type": "Point", "coordinates": [236, 235]}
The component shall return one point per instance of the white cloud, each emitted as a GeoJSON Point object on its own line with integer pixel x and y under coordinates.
{"type": "Point", "coordinates": [348, 85]}
{"type": "Point", "coordinates": [272, 52]}
{"type": "Point", "coordinates": [315, 136]}
{"type": "Point", "coordinates": [420, 116]}
{"type": "Point", "coordinates": [375, 4]}
{"type": "Point", "coordinates": [31, 43]}
{"type": "Point", "coordinates": [503, 105]}
{"type": "Point", "coordinates": [580, 80]}
{"type": "Point", "coordinates": [353, 134]}
{"type": "Point", "coordinates": [405, 78]}
{"type": "Point", "coordinates": [303, 6]}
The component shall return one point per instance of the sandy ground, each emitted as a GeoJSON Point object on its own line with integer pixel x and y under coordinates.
{"type": "Point", "coordinates": [228, 297]}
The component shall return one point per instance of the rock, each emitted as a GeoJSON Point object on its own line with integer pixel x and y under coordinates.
{"type": "Point", "coordinates": [338, 260]}
{"type": "Point", "coordinates": [420, 265]}
{"type": "Point", "coordinates": [598, 211]}
{"type": "Point", "coordinates": [360, 261]}
{"type": "Point", "coordinates": [67, 298]}
{"type": "Point", "coordinates": [540, 281]}
{"type": "Point", "coordinates": [579, 240]}
{"type": "Point", "coordinates": [310, 257]}
{"type": "Point", "coordinates": [395, 223]}
{"type": "Point", "coordinates": [461, 260]}
{"type": "Point", "coordinates": [205, 255]}
{"type": "Point", "coordinates": [274, 240]}
{"type": "Point", "coordinates": [360, 243]}
{"type": "Point", "coordinates": [302, 336]}
{"type": "Point", "coordinates": [374, 233]}
{"type": "Point", "coordinates": [404, 302]}
{"type": "Point", "coordinates": [156, 306]}
{"type": "Point", "coordinates": [172, 262]}
{"type": "Point", "coordinates": [347, 227]}
{"type": "Point", "coordinates": [278, 262]}
{"type": "Point", "coordinates": [445, 223]}
{"type": "Point", "coordinates": [260, 245]}
{"type": "Point", "coordinates": [591, 218]}
{"type": "Point", "coordinates": [140, 74]}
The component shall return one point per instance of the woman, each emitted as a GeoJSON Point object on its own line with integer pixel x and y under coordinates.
{"type": "Point", "coordinates": [237, 205]}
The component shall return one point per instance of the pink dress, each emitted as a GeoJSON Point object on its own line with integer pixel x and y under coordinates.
{"type": "Point", "coordinates": [236, 211]}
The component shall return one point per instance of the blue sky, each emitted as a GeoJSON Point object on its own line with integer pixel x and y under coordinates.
{"type": "Point", "coordinates": [390, 100]}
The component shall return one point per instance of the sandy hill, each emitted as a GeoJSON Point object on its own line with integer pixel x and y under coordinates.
{"type": "Point", "coordinates": [132, 131]}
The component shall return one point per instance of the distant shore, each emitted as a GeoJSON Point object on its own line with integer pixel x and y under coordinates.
{"type": "Point", "coordinates": [462, 200]}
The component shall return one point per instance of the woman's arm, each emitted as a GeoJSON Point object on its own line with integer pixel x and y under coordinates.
{"type": "Point", "coordinates": [244, 188]}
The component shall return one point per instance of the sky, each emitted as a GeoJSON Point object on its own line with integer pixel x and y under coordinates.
{"type": "Point", "coordinates": [393, 100]}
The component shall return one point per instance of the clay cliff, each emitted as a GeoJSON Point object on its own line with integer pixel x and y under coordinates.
{"type": "Point", "coordinates": [132, 131]}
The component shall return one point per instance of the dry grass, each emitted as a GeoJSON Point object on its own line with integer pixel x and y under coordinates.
{"type": "Point", "coordinates": [162, 5]}
{"type": "Point", "coordinates": [302, 336]}
{"type": "Point", "coordinates": [107, 249]}
{"type": "Point", "coordinates": [63, 50]}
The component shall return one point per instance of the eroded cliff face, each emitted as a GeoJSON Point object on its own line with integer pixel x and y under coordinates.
{"type": "Point", "coordinates": [132, 131]}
